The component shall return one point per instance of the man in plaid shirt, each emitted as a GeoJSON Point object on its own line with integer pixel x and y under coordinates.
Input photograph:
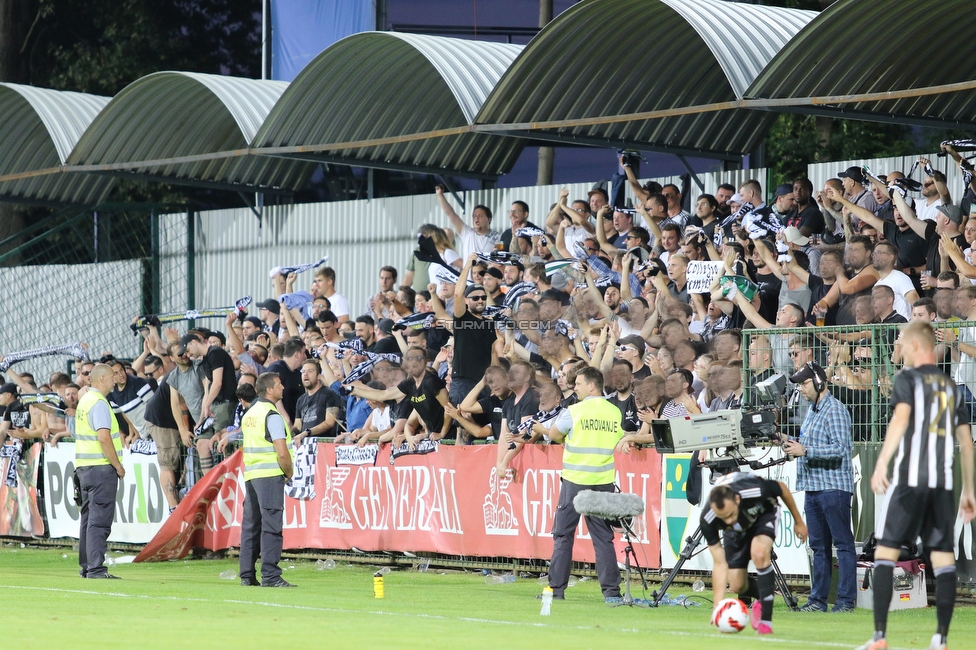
{"type": "Point", "coordinates": [825, 474]}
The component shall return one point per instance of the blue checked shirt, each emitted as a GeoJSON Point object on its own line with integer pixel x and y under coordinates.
{"type": "Point", "coordinates": [635, 286]}
{"type": "Point", "coordinates": [826, 436]}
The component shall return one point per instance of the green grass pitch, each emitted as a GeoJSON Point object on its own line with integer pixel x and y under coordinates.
{"type": "Point", "coordinates": [185, 604]}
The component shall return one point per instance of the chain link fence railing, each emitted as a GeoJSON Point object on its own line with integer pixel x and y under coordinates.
{"type": "Point", "coordinates": [860, 361]}
{"type": "Point", "coordinates": [82, 277]}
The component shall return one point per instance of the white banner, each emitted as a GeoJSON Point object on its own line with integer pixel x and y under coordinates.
{"type": "Point", "coordinates": [140, 507]}
{"type": "Point", "coordinates": [701, 274]}
{"type": "Point", "coordinates": [355, 455]}
{"type": "Point", "coordinates": [679, 519]}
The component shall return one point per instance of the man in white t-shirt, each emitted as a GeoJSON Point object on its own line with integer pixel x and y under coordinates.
{"type": "Point", "coordinates": [934, 194]}
{"type": "Point", "coordinates": [325, 284]}
{"type": "Point", "coordinates": [481, 238]}
{"type": "Point", "coordinates": [883, 259]}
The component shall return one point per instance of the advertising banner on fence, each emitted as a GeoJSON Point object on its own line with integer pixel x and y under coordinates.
{"type": "Point", "coordinates": [19, 513]}
{"type": "Point", "coordinates": [140, 507]}
{"type": "Point", "coordinates": [679, 519]}
{"type": "Point", "coordinates": [448, 501]}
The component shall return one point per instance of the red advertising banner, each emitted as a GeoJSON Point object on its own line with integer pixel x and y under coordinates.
{"type": "Point", "coordinates": [448, 501]}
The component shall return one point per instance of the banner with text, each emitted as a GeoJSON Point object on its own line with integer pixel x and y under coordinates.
{"type": "Point", "coordinates": [449, 501]}
{"type": "Point", "coordinates": [19, 512]}
{"type": "Point", "coordinates": [701, 274]}
{"type": "Point", "coordinates": [140, 507]}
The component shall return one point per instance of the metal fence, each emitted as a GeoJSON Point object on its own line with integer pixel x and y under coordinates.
{"type": "Point", "coordinates": [860, 360]}
{"type": "Point", "coordinates": [80, 276]}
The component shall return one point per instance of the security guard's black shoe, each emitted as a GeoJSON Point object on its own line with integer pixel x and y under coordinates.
{"type": "Point", "coordinates": [102, 576]}
{"type": "Point", "coordinates": [250, 582]}
{"type": "Point", "coordinates": [278, 582]}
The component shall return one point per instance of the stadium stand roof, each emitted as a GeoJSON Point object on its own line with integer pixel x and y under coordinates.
{"type": "Point", "coordinates": [625, 58]}
{"type": "Point", "coordinates": [899, 62]}
{"type": "Point", "coordinates": [699, 77]}
{"type": "Point", "coordinates": [40, 127]}
{"type": "Point", "coordinates": [386, 85]}
{"type": "Point", "coordinates": [179, 120]}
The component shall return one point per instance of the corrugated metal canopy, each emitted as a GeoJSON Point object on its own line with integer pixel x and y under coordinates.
{"type": "Point", "coordinates": [177, 115]}
{"type": "Point", "coordinates": [385, 84]}
{"type": "Point", "coordinates": [665, 54]}
{"type": "Point", "coordinates": [38, 129]}
{"type": "Point", "coordinates": [850, 49]}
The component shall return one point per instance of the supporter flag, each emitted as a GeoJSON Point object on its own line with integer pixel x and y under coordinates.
{"type": "Point", "coordinates": [731, 284]}
{"type": "Point", "coordinates": [301, 30]}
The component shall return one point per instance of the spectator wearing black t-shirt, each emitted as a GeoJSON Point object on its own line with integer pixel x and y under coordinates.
{"type": "Point", "coordinates": [425, 392]}
{"type": "Point", "coordinates": [11, 409]}
{"type": "Point", "coordinates": [473, 335]}
{"type": "Point", "coordinates": [912, 246]}
{"type": "Point", "coordinates": [167, 423]}
{"type": "Point", "coordinates": [317, 409]}
{"type": "Point", "coordinates": [289, 371]}
{"type": "Point", "coordinates": [621, 381]}
{"type": "Point", "coordinates": [479, 416]}
{"type": "Point", "coordinates": [219, 398]}
{"type": "Point", "coordinates": [517, 407]}
{"type": "Point", "coordinates": [805, 215]}
{"type": "Point", "coordinates": [365, 326]}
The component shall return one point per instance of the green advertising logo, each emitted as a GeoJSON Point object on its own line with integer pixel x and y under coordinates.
{"type": "Point", "coordinates": [676, 506]}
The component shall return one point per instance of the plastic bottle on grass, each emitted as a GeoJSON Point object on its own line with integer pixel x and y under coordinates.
{"type": "Point", "coordinates": [500, 580]}
{"type": "Point", "coordinates": [698, 587]}
{"type": "Point", "coordinates": [229, 574]}
{"type": "Point", "coordinates": [546, 601]}
{"type": "Point", "coordinates": [378, 589]}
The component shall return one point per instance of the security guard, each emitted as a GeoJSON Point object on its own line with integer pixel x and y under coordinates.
{"type": "Point", "coordinates": [591, 429]}
{"type": "Point", "coordinates": [267, 465]}
{"type": "Point", "coordinates": [98, 448]}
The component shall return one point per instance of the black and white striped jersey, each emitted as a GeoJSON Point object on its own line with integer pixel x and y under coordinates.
{"type": "Point", "coordinates": [926, 451]}
{"type": "Point", "coordinates": [757, 497]}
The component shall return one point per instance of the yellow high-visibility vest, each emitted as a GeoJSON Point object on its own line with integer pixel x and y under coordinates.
{"type": "Point", "coordinates": [588, 449]}
{"type": "Point", "coordinates": [260, 457]}
{"type": "Point", "coordinates": [87, 450]}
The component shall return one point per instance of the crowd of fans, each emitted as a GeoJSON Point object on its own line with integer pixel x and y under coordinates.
{"type": "Point", "coordinates": [482, 335]}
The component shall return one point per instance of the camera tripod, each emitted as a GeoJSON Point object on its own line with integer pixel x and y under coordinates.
{"type": "Point", "coordinates": [691, 543]}
{"type": "Point", "coordinates": [628, 598]}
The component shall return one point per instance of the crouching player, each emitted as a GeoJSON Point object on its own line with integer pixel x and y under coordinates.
{"type": "Point", "coordinates": [747, 508]}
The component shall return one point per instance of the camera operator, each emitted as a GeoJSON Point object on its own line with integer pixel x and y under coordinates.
{"type": "Point", "coordinates": [591, 431]}
{"type": "Point", "coordinates": [824, 472]}
{"type": "Point", "coordinates": [746, 508]}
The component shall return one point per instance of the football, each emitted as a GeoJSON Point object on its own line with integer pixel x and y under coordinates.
{"type": "Point", "coordinates": [731, 615]}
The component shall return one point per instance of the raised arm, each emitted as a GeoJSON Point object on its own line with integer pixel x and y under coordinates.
{"type": "Point", "coordinates": [556, 214]}
{"type": "Point", "coordinates": [861, 213]}
{"type": "Point", "coordinates": [601, 235]}
{"type": "Point", "coordinates": [456, 223]}
{"type": "Point", "coordinates": [908, 214]}
{"type": "Point", "coordinates": [459, 305]}
{"type": "Point", "coordinates": [750, 312]}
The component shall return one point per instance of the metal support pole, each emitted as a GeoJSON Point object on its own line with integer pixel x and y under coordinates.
{"type": "Point", "coordinates": [547, 155]}
{"type": "Point", "coordinates": [155, 267]}
{"type": "Point", "coordinates": [191, 262]}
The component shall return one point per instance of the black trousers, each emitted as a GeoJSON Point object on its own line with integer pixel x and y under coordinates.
{"type": "Point", "coordinates": [563, 536]}
{"type": "Point", "coordinates": [264, 507]}
{"type": "Point", "coordinates": [99, 485]}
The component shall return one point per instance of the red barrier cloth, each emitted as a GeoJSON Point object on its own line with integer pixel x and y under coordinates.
{"type": "Point", "coordinates": [447, 502]}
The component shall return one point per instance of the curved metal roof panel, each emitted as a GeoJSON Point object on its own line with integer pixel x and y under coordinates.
{"type": "Point", "coordinates": [692, 52]}
{"type": "Point", "coordinates": [849, 50]}
{"type": "Point", "coordinates": [383, 85]}
{"type": "Point", "coordinates": [169, 115]}
{"type": "Point", "coordinates": [38, 129]}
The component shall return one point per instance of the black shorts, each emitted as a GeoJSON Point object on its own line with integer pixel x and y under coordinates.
{"type": "Point", "coordinates": [912, 512]}
{"type": "Point", "coordinates": [738, 545]}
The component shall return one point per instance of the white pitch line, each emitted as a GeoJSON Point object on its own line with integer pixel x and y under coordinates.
{"type": "Point", "coordinates": [467, 619]}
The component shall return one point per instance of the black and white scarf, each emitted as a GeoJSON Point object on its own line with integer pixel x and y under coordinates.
{"type": "Point", "coordinates": [76, 350]}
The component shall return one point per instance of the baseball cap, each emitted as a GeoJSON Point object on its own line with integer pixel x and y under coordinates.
{"type": "Point", "coordinates": [598, 190]}
{"type": "Point", "coordinates": [385, 325]}
{"type": "Point", "coordinates": [493, 272]}
{"type": "Point", "coordinates": [555, 294]}
{"type": "Point", "coordinates": [8, 388]}
{"type": "Point", "coordinates": [783, 190]}
{"type": "Point", "coordinates": [952, 212]}
{"type": "Point", "coordinates": [471, 288]}
{"type": "Point", "coordinates": [184, 341]}
{"type": "Point", "coordinates": [271, 305]}
{"type": "Point", "coordinates": [809, 371]}
{"type": "Point", "coordinates": [853, 173]}
{"type": "Point", "coordinates": [254, 320]}
{"type": "Point", "coordinates": [735, 198]}
{"type": "Point", "coordinates": [794, 236]}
